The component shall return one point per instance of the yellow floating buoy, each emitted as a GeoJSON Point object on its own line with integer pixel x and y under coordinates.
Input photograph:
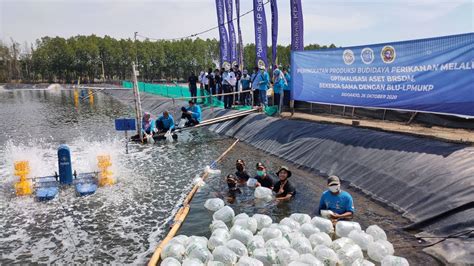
{"type": "Point", "coordinates": [76, 98]}
{"type": "Point", "coordinates": [91, 97]}
{"type": "Point", "coordinates": [105, 175]}
{"type": "Point", "coordinates": [24, 186]}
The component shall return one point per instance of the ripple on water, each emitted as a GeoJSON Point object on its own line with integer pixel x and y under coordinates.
{"type": "Point", "coordinates": [118, 224]}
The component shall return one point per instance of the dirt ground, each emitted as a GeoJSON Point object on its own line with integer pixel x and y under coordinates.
{"type": "Point", "coordinates": [445, 134]}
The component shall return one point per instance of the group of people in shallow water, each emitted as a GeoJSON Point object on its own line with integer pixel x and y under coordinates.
{"type": "Point", "coordinates": [334, 203]}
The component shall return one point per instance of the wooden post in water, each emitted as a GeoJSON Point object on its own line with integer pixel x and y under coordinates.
{"type": "Point", "coordinates": [138, 105]}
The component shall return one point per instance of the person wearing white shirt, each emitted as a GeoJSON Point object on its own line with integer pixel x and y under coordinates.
{"type": "Point", "coordinates": [228, 83]}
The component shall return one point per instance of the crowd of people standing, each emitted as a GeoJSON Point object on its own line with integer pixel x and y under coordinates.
{"type": "Point", "coordinates": [236, 87]}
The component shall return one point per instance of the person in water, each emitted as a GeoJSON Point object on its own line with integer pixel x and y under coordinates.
{"type": "Point", "coordinates": [192, 114]}
{"type": "Point", "coordinates": [165, 122]}
{"type": "Point", "coordinates": [283, 189]}
{"type": "Point", "coordinates": [233, 189]}
{"type": "Point", "coordinates": [241, 174]}
{"type": "Point", "coordinates": [262, 177]}
{"type": "Point", "coordinates": [337, 201]}
{"type": "Point", "coordinates": [148, 127]}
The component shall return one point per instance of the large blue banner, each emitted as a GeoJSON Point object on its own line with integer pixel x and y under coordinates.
{"type": "Point", "coordinates": [223, 41]}
{"type": "Point", "coordinates": [230, 26]}
{"type": "Point", "coordinates": [274, 9]}
{"type": "Point", "coordinates": [429, 75]}
{"type": "Point", "coordinates": [260, 22]}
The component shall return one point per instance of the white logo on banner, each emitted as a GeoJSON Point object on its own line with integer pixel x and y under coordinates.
{"type": "Point", "coordinates": [348, 57]}
{"type": "Point", "coordinates": [367, 56]}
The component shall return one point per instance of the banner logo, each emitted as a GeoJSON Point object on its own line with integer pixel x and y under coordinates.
{"type": "Point", "coordinates": [261, 63]}
{"type": "Point", "coordinates": [348, 57]}
{"type": "Point", "coordinates": [367, 56]}
{"type": "Point", "coordinates": [388, 54]}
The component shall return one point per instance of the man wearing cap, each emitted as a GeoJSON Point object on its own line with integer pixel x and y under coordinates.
{"type": "Point", "coordinates": [241, 174]}
{"type": "Point", "coordinates": [283, 189]}
{"type": "Point", "coordinates": [263, 85]}
{"type": "Point", "coordinates": [339, 202]}
{"type": "Point", "coordinates": [262, 178]}
{"type": "Point", "coordinates": [244, 85]}
{"type": "Point", "coordinates": [192, 113]}
{"type": "Point", "coordinates": [165, 122]}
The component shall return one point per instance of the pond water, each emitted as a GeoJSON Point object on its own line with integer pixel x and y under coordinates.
{"type": "Point", "coordinates": [125, 222]}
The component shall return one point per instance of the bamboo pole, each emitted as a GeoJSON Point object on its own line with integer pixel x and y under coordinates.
{"type": "Point", "coordinates": [183, 213]}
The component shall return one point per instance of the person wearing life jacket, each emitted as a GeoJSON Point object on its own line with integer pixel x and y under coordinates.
{"type": "Point", "coordinates": [335, 203]}
{"type": "Point", "coordinates": [165, 122]}
{"type": "Point", "coordinates": [192, 114]}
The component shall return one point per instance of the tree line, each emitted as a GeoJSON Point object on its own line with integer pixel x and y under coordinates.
{"type": "Point", "coordinates": [96, 59]}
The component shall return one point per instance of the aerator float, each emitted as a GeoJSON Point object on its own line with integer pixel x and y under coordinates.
{"type": "Point", "coordinates": [47, 187]}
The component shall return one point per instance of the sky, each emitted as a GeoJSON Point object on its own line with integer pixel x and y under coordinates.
{"type": "Point", "coordinates": [343, 23]}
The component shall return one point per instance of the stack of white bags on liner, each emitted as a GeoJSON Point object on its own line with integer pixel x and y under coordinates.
{"type": "Point", "coordinates": [297, 240]}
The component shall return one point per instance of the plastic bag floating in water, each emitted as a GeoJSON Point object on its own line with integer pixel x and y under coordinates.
{"type": "Point", "coordinates": [173, 250]}
{"type": "Point", "coordinates": [263, 193]}
{"type": "Point", "coordinates": [379, 249]}
{"type": "Point", "coordinates": [214, 204]}
{"type": "Point", "coordinates": [361, 238]}
{"type": "Point", "coordinates": [170, 261]}
{"type": "Point", "coordinates": [376, 232]}
{"type": "Point", "coordinates": [225, 214]}
{"type": "Point", "coordinates": [343, 228]}
{"type": "Point", "coordinates": [394, 261]}
{"type": "Point", "coordinates": [224, 255]}
{"type": "Point", "coordinates": [262, 220]}
{"type": "Point", "coordinates": [212, 172]}
{"type": "Point", "coordinates": [247, 261]}
{"type": "Point", "coordinates": [324, 225]}
{"type": "Point", "coordinates": [237, 247]}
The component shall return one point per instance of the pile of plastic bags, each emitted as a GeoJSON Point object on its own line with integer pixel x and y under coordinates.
{"type": "Point", "coordinates": [296, 240]}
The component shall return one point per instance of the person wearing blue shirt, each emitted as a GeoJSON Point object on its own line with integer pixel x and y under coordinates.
{"type": "Point", "coordinates": [263, 80]}
{"type": "Point", "coordinates": [192, 113]}
{"type": "Point", "coordinates": [278, 85]}
{"type": "Point", "coordinates": [148, 127]}
{"type": "Point", "coordinates": [339, 202]}
{"type": "Point", "coordinates": [165, 122]}
{"type": "Point", "coordinates": [254, 85]}
{"type": "Point", "coordinates": [287, 88]}
{"type": "Point", "coordinates": [245, 88]}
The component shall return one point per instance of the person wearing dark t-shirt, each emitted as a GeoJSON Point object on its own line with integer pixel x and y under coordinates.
{"type": "Point", "coordinates": [241, 174]}
{"type": "Point", "coordinates": [234, 191]}
{"type": "Point", "coordinates": [262, 178]}
{"type": "Point", "coordinates": [193, 85]}
{"type": "Point", "coordinates": [283, 188]}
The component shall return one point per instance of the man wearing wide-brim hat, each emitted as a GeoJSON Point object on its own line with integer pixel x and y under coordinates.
{"type": "Point", "coordinates": [338, 202]}
{"type": "Point", "coordinates": [283, 188]}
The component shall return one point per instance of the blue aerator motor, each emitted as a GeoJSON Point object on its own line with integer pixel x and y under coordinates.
{"type": "Point", "coordinates": [65, 166]}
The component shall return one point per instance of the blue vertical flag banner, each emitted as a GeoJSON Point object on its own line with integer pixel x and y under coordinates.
{"type": "Point", "coordinates": [297, 42]}
{"type": "Point", "coordinates": [260, 22]}
{"type": "Point", "coordinates": [274, 9]}
{"type": "Point", "coordinates": [433, 75]}
{"type": "Point", "coordinates": [223, 41]}
{"type": "Point", "coordinates": [240, 50]}
{"type": "Point", "coordinates": [230, 26]}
